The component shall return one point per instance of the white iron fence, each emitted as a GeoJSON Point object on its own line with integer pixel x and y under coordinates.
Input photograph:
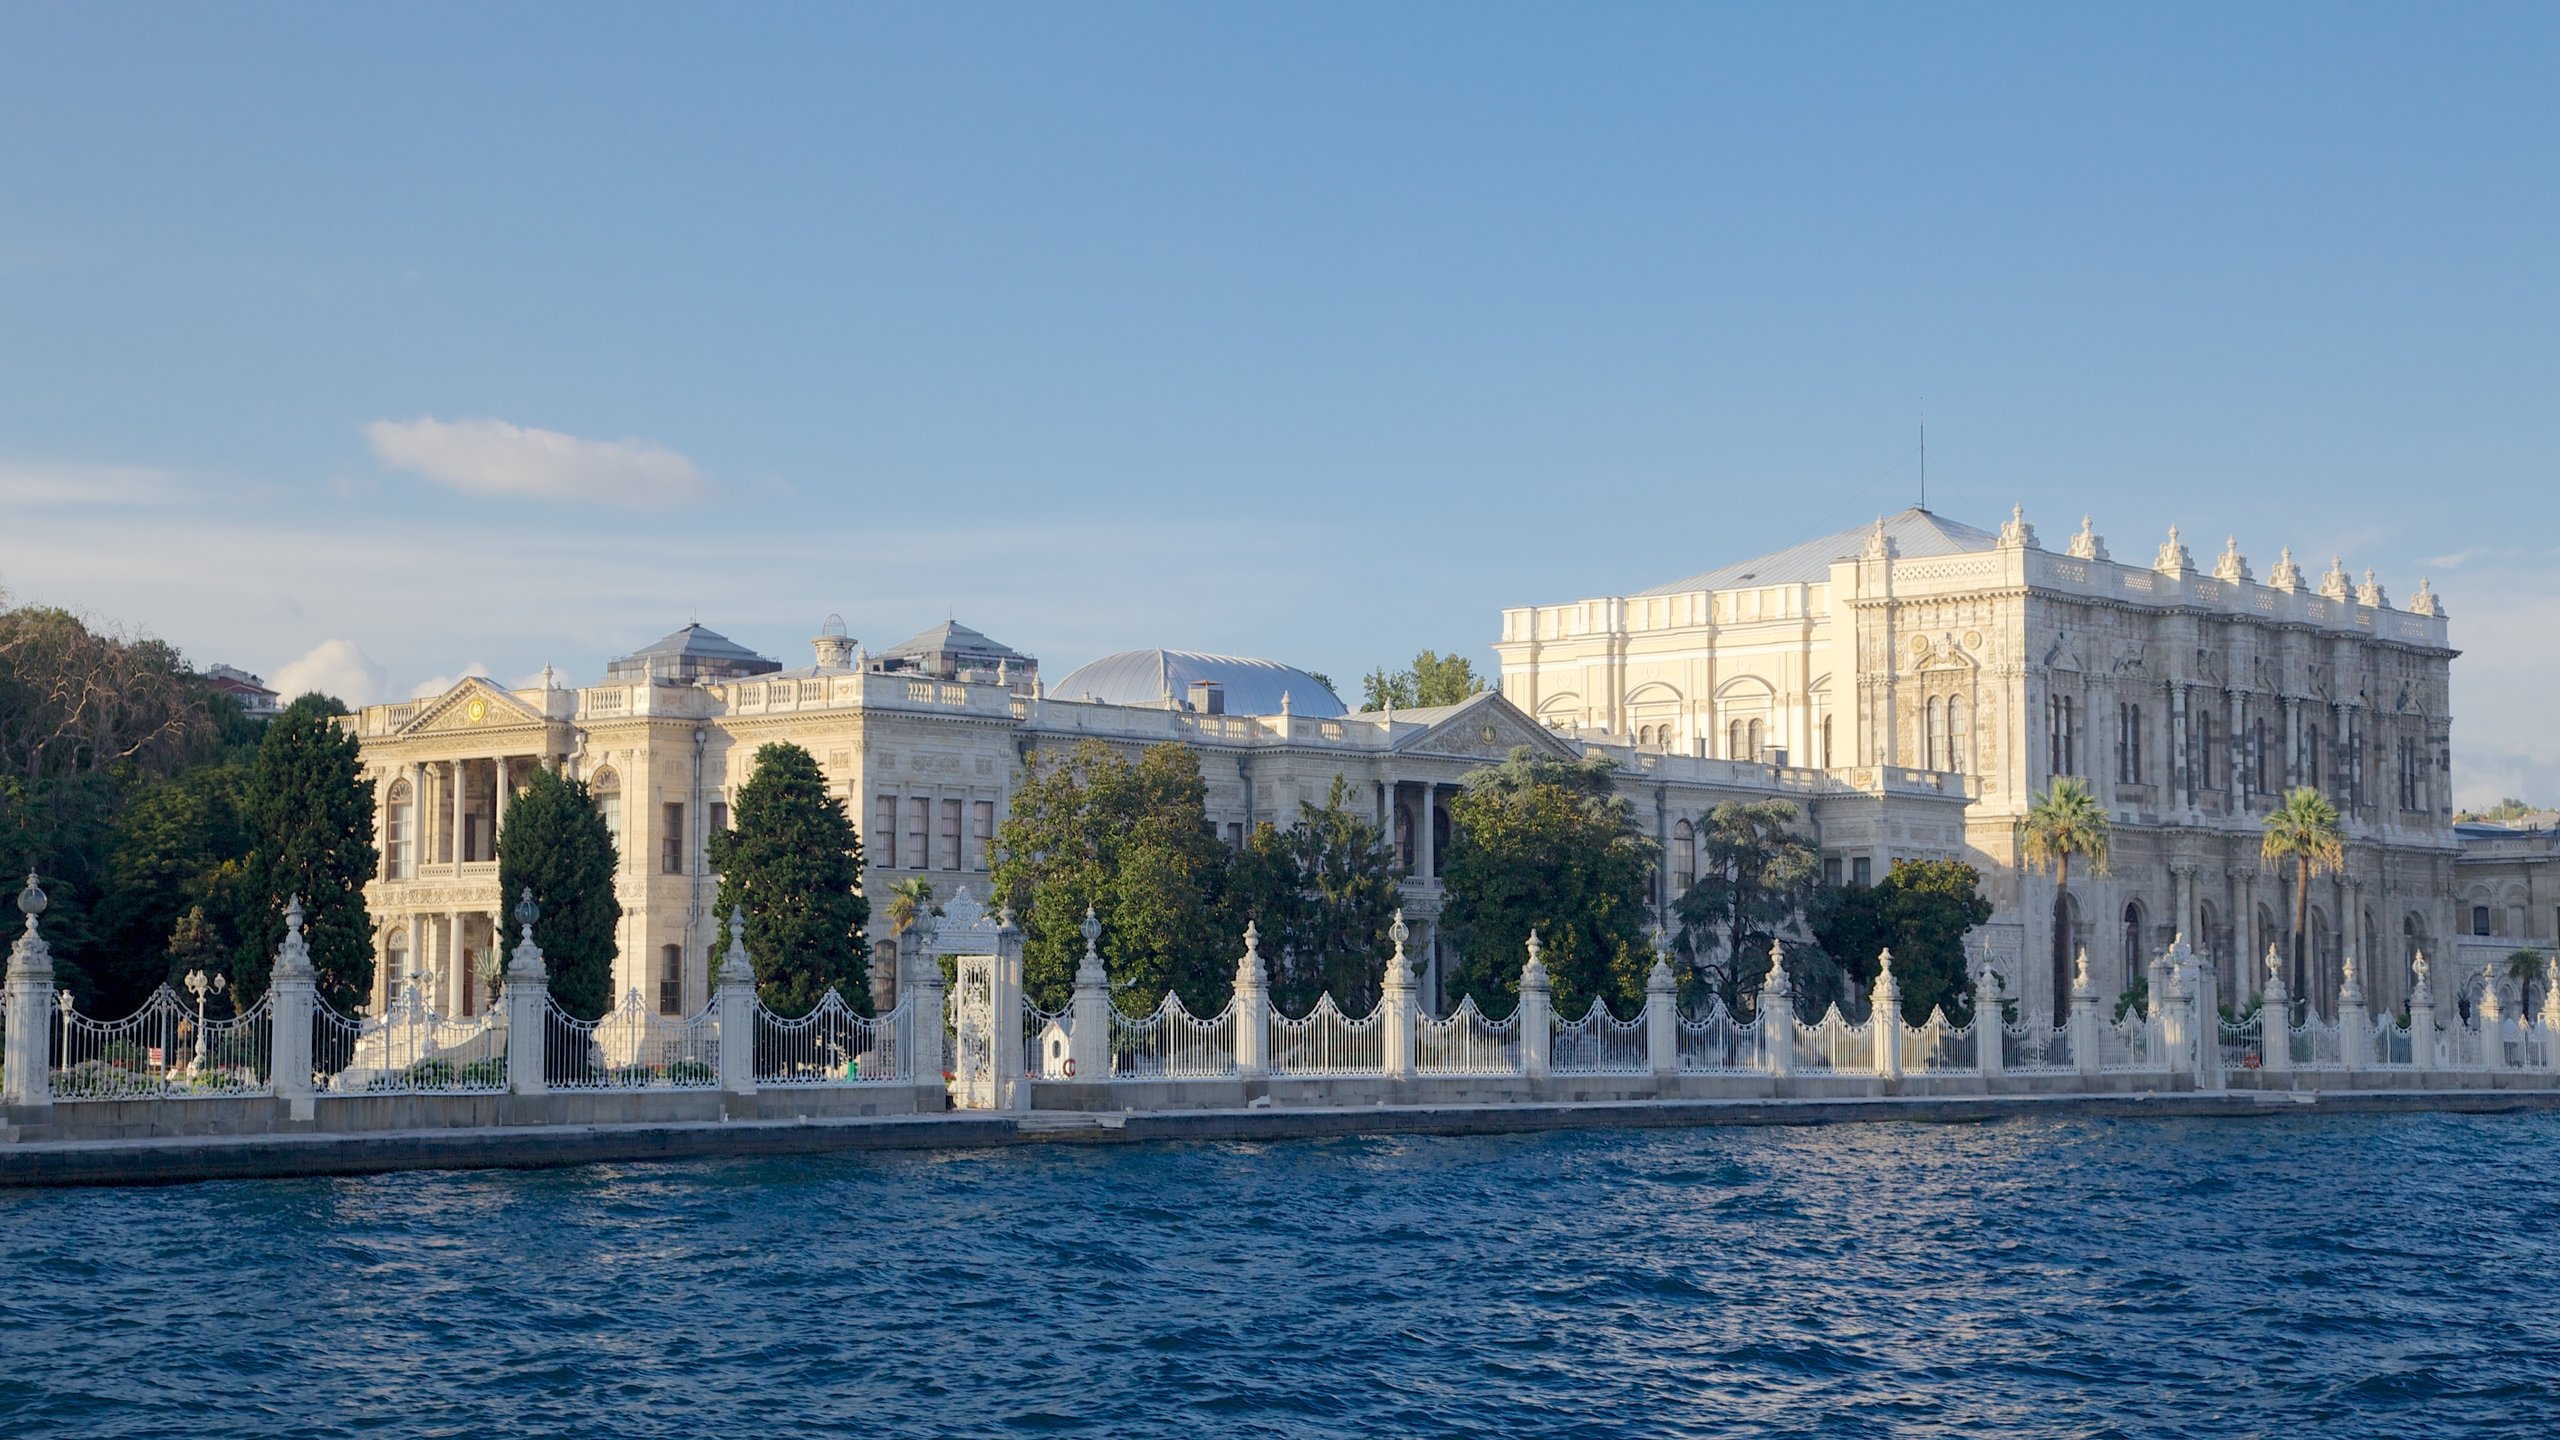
{"type": "Point", "coordinates": [1717, 1044]}
{"type": "Point", "coordinates": [1325, 1041]}
{"type": "Point", "coordinates": [831, 1045]}
{"type": "Point", "coordinates": [1466, 1043]}
{"type": "Point", "coordinates": [2027, 1048]}
{"type": "Point", "coordinates": [628, 1048]}
{"type": "Point", "coordinates": [1598, 1044]}
{"type": "Point", "coordinates": [1172, 1043]}
{"type": "Point", "coordinates": [168, 1048]}
{"type": "Point", "coordinates": [408, 1050]}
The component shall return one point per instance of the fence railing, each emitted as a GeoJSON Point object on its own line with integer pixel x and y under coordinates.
{"type": "Point", "coordinates": [168, 1048]}
{"type": "Point", "coordinates": [1466, 1043]}
{"type": "Point", "coordinates": [1717, 1044]}
{"type": "Point", "coordinates": [2128, 1045]}
{"type": "Point", "coordinates": [831, 1045]}
{"type": "Point", "coordinates": [1325, 1041]}
{"type": "Point", "coordinates": [2027, 1048]}
{"type": "Point", "coordinates": [1939, 1047]}
{"type": "Point", "coordinates": [629, 1048]}
{"type": "Point", "coordinates": [407, 1050]}
{"type": "Point", "coordinates": [1598, 1044]}
{"type": "Point", "coordinates": [2241, 1043]}
{"type": "Point", "coordinates": [1172, 1043]}
{"type": "Point", "coordinates": [1831, 1045]}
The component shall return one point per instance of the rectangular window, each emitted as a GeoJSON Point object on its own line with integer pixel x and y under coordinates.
{"type": "Point", "coordinates": [884, 831]}
{"type": "Point", "coordinates": [982, 819]}
{"type": "Point", "coordinates": [671, 843]}
{"type": "Point", "coordinates": [1235, 835]}
{"type": "Point", "coordinates": [395, 843]}
{"type": "Point", "coordinates": [950, 834]}
{"type": "Point", "coordinates": [919, 824]}
{"type": "Point", "coordinates": [671, 980]}
{"type": "Point", "coordinates": [719, 816]}
{"type": "Point", "coordinates": [2479, 919]}
{"type": "Point", "coordinates": [1831, 871]}
{"type": "Point", "coordinates": [1862, 871]}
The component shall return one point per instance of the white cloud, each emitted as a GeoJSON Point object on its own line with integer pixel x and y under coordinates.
{"type": "Point", "coordinates": [332, 667]}
{"type": "Point", "coordinates": [492, 457]}
{"type": "Point", "coordinates": [51, 485]}
{"type": "Point", "coordinates": [429, 689]}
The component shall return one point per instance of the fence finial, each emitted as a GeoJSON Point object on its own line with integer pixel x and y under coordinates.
{"type": "Point", "coordinates": [527, 912]}
{"type": "Point", "coordinates": [1398, 931]}
{"type": "Point", "coordinates": [31, 901]}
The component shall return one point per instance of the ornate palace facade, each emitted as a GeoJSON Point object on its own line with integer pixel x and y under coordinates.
{"type": "Point", "coordinates": [2189, 698]}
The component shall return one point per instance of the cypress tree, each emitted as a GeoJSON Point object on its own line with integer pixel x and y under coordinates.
{"type": "Point", "coordinates": [311, 814]}
{"type": "Point", "coordinates": [555, 843]}
{"type": "Point", "coordinates": [792, 860]}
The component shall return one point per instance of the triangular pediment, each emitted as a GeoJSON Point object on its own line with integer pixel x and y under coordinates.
{"type": "Point", "coordinates": [472, 704]}
{"type": "Point", "coordinates": [1485, 727]}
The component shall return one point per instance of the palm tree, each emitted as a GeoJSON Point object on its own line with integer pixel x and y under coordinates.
{"type": "Point", "coordinates": [910, 900]}
{"type": "Point", "coordinates": [2063, 822]}
{"type": "Point", "coordinates": [2305, 830]}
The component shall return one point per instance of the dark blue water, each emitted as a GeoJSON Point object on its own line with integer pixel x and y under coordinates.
{"type": "Point", "coordinates": [2345, 1276]}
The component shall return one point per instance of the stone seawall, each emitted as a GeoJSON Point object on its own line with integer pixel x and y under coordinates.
{"type": "Point", "coordinates": [270, 1154]}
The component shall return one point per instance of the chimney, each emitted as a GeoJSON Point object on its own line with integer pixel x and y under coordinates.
{"type": "Point", "coordinates": [1208, 697]}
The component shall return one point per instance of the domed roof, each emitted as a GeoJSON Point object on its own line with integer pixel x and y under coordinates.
{"type": "Point", "coordinates": [1154, 677]}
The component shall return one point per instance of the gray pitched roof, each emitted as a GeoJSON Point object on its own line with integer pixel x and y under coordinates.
{"type": "Point", "coordinates": [954, 637]}
{"type": "Point", "coordinates": [1915, 533]}
{"type": "Point", "coordinates": [1154, 677]}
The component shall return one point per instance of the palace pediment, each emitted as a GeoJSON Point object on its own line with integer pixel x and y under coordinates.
{"type": "Point", "coordinates": [1481, 727]}
{"type": "Point", "coordinates": [473, 704]}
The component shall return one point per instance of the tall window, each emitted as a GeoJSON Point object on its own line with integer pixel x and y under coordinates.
{"type": "Point", "coordinates": [2258, 756]}
{"type": "Point", "coordinates": [671, 980]}
{"type": "Point", "coordinates": [1753, 737]}
{"type": "Point", "coordinates": [2061, 755]}
{"type": "Point", "coordinates": [1959, 736]}
{"type": "Point", "coordinates": [950, 834]}
{"type": "Point", "coordinates": [884, 831]}
{"type": "Point", "coordinates": [2133, 957]}
{"type": "Point", "coordinates": [607, 790]}
{"type": "Point", "coordinates": [398, 822]}
{"type": "Point", "coordinates": [2128, 744]}
{"type": "Point", "coordinates": [982, 828]}
{"type": "Point", "coordinates": [1733, 741]}
{"type": "Point", "coordinates": [1933, 720]}
{"type": "Point", "coordinates": [1826, 742]}
{"type": "Point", "coordinates": [671, 841]}
{"type": "Point", "coordinates": [1684, 858]}
{"type": "Point", "coordinates": [719, 815]}
{"type": "Point", "coordinates": [919, 826]}
{"type": "Point", "coordinates": [2311, 756]}
{"type": "Point", "coordinates": [2204, 751]}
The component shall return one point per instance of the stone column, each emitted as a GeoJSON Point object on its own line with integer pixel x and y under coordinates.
{"type": "Point", "coordinates": [1425, 867]}
{"type": "Point", "coordinates": [1661, 1014]}
{"type": "Point", "coordinates": [1777, 1016]}
{"type": "Point", "coordinates": [1089, 1011]}
{"type": "Point", "coordinates": [921, 1035]}
{"type": "Point", "coordinates": [2422, 1016]}
{"type": "Point", "coordinates": [527, 1009]}
{"type": "Point", "coordinates": [290, 988]}
{"type": "Point", "coordinates": [1884, 1018]}
{"type": "Point", "coordinates": [1536, 1015]}
{"type": "Point", "coordinates": [2275, 1038]}
{"type": "Point", "coordinates": [2084, 1020]}
{"type": "Point", "coordinates": [1013, 1092]}
{"type": "Point", "coordinates": [1253, 1009]}
{"type": "Point", "coordinates": [497, 812]}
{"type": "Point", "coordinates": [442, 1002]}
{"type": "Point", "coordinates": [1395, 1005]}
{"type": "Point", "coordinates": [453, 820]}
{"type": "Point", "coordinates": [2175, 1031]}
{"type": "Point", "coordinates": [2355, 1026]}
{"type": "Point", "coordinates": [1987, 1025]}
{"type": "Point", "coordinates": [737, 1005]}
{"type": "Point", "coordinates": [2551, 1018]}
{"type": "Point", "coordinates": [29, 1055]}
{"type": "Point", "coordinates": [2493, 1022]}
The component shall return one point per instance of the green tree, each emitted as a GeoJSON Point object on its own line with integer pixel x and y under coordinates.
{"type": "Point", "coordinates": [910, 900]}
{"type": "Point", "coordinates": [180, 846]}
{"type": "Point", "coordinates": [792, 860]}
{"type": "Point", "coordinates": [312, 815]}
{"type": "Point", "coordinates": [555, 844]}
{"type": "Point", "coordinates": [2061, 823]}
{"type": "Point", "coordinates": [193, 945]}
{"type": "Point", "coordinates": [2304, 829]}
{"type": "Point", "coordinates": [1757, 876]}
{"type": "Point", "coordinates": [1323, 895]}
{"type": "Point", "coordinates": [1930, 905]}
{"type": "Point", "coordinates": [1548, 846]}
{"type": "Point", "coordinates": [1132, 840]}
{"type": "Point", "coordinates": [1432, 679]}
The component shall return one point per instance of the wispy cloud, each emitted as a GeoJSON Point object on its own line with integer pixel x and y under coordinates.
{"type": "Point", "coordinates": [494, 457]}
{"type": "Point", "coordinates": [71, 485]}
{"type": "Point", "coordinates": [332, 667]}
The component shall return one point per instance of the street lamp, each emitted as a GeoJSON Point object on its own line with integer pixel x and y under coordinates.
{"type": "Point", "coordinates": [202, 985]}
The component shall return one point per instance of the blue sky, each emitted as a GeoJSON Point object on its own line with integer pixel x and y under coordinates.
{"type": "Point", "coordinates": [374, 344]}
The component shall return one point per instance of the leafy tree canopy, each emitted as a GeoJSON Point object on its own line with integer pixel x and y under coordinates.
{"type": "Point", "coordinates": [1432, 679]}
{"type": "Point", "coordinates": [792, 860]}
{"type": "Point", "coordinates": [1755, 878]}
{"type": "Point", "coordinates": [1921, 911]}
{"type": "Point", "coordinates": [311, 815]}
{"type": "Point", "coordinates": [1323, 895]}
{"type": "Point", "coordinates": [1547, 845]}
{"type": "Point", "coordinates": [555, 844]}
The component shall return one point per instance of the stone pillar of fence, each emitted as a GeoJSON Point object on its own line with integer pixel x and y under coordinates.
{"type": "Point", "coordinates": [2174, 1006]}
{"type": "Point", "coordinates": [2275, 1044]}
{"type": "Point", "coordinates": [528, 998]}
{"type": "Point", "coordinates": [737, 1002]}
{"type": "Point", "coordinates": [1988, 1027]}
{"type": "Point", "coordinates": [2084, 1020]}
{"type": "Point", "coordinates": [1395, 1007]}
{"type": "Point", "coordinates": [2551, 1018]}
{"type": "Point", "coordinates": [29, 1057]}
{"type": "Point", "coordinates": [1661, 1014]}
{"type": "Point", "coordinates": [1537, 1014]}
{"type": "Point", "coordinates": [1089, 1020]}
{"type": "Point", "coordinates": [1884, 1018]}
{"type": "Point", "coordinates": [920, 991]}
{"type": "Point", "coordinates": [2422, 1015]}
{"type": "Point", "coordinates": [290, 988]}
{"type": "Point", "coordinates": [1777, 1016]}
{"type": "Point", "coordinates": [2355, 1023]}
{"type": "Point", "coordinates": [2207, 1018]}
{"type": "Point", "coordinates": [2492, 1016]}
{"type": "Point", "coordinates": [1253, 1010]}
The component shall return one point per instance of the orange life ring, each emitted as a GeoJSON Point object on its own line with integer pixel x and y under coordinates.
{"type": "Point", "coordinates": [1070, 1070]}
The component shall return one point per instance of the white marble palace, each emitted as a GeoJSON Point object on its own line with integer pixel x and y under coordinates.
{"type": "Point", "coordinates": [1910, 685]}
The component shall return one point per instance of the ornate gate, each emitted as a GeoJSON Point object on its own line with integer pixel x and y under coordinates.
{"type": "Point", "coordinates": [973, 1027]}
{"type": "Point", "coordinates": [985, 1009]}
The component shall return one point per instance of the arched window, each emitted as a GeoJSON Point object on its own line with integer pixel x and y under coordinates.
{"type": "Point", "coordinates": [1826, 742]}
{"type": "Point", "coordinates": [1733, 741]}
{"type": "Point", "coordinates": [2066, 925]}
{"type": "Point", "coordinates": [1754, 738]}
{"type": "Point", "coordinates": [399, 832]}
{"type": "Point", "coordinates": [606, 787]}
{"type": "Point", "coordinates": [2134, 958]}
{"type": "Point", "coordinates": [1959, 736]}
{"type": "Point", "coordinates": [1933, 719]}
{"type": "Point", "coordinates": [1684, 858]}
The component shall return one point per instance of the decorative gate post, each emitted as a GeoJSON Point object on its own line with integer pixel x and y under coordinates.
{"type": "Point", "coordinates": [2422, 1016]}
{"type": "Point", "coordinates": [528, 998]}
{"type": "Point", "coordinates": [2174, 1010]}
{"type": "Point", "coordinates": [1989, 1029]}
{"type": "Point", "coordinates": [1089, 1029]}
{"type": "Point", "coordinates": [289, 986]}
{"type": "Point", "coordinates": [2084, 1020]}
{"type": "Point", "coordinates": [2275, 1032]}
{"type": "Point", "coordinates": [737, 1001]}
{"type": "Point", "coordinates": [29, 1056]}
{"type": "Point", "coordinates": [2355, 1026]}
{"type": "Point", "coordinates": [1777, 1016]}
{"type": "Point", "coordinates": [1013, 1049]}
{"type": "Point", "coordinates": [1395, 1001]}
{"type": "Point", "coordinates": [2206, 1017]}
{"type": "Point", "coordinates": [1661, 1013]}
{"type": "Point", "coordinates": [2551, 1019]}
{"type": "Point", "coordinates": [1537, 1028]}
{"type": "Point", "coordinates": [2492, 1016]}
{"type": "Point", "coordinates": [920, 992]}
{"type": "Point", "coordinates": [1253, 1010]}
{"type": "Point", "coordinates": [1884, 1018]}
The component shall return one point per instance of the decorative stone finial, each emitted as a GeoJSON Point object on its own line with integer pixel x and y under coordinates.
{"type": "Point", "coordinates": [2425, 601]}
{"type": "Point", "coordinates": [527, 912]}
{"type": "Point", "coordinates": [2173, 559]}
{"type": "Point", "coordinates": [2231, 566]}
{"type": "Point", "coordinates": [2080, 984]}
{"type": "Point", "coordinates": [2018, 534]}
{"type": "Point", "coordinates": [2276, 994]}
{"type": "Point", "coordinates": [1533, 975]}
{"type": "Point", "coordinates": [1880, 546]}
{"type": "Point", "coordinates": [1091, 930]}
{"type": "Point", "coordinates": [2370, 592]}
{"type": "Point", "coordinates": [2334, 584]}
{"type": "Point", "coordinates": [292, 916]}
{"type": "Point", "coordinates": [2420, 991]}
{"type": "Point", "coordinates": [2088, 544]}
{"type": "Point", "coordinates": [31, 901]}
{"type": "Point", "coordinates": [2287, 575]}
{"type": "Point", "coordinates": [736, 968]}
{"type": "Point", "coordinates": [2350, 989]}
{"type": "Point", "coordinates": [1252, 940]}
{"type": "Point", "coordinates": [1284, 702]}
{"type": "Point", "coordinates": [1777, 969]}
